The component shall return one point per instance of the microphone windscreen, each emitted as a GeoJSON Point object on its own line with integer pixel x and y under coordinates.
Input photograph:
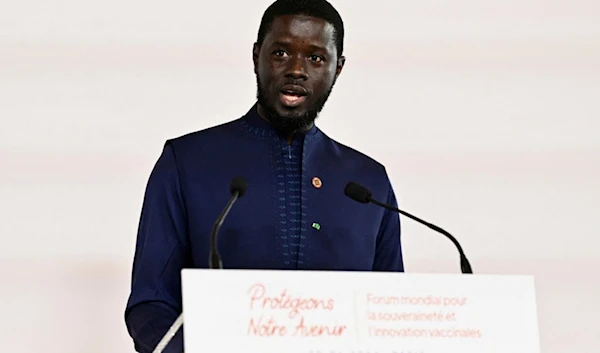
{"type": "Point", "coordinates": [238, 184]}
{"type": "Point", "coordinates": [357, 192]}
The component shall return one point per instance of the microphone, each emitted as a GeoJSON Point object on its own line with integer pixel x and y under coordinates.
{"type": "Point", "coordinates": [361, 194]}
{"type": "Point", "coordinates": [237, 188]}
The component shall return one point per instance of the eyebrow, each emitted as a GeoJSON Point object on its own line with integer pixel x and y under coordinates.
{"type": "Point", "coordinates": [312, 47]}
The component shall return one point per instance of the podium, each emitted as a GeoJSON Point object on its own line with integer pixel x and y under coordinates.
{"type": "Point", "coordinates": [357, 312]}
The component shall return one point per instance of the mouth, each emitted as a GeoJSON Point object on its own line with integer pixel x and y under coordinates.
{"type": "Point", "coordinates": [292, 95]}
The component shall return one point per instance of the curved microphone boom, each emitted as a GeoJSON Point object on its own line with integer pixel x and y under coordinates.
{"type": "Point", "coordinates": [237, 188]}
{"type": "Point", "coordinates": [361, 194]}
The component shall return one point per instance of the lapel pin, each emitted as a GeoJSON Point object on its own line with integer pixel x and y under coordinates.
{"type": "Point", "coordinates": [317, 182]}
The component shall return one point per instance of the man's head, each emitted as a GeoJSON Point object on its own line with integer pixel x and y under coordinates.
{"type": "Point", "coordinates": [297, 59]}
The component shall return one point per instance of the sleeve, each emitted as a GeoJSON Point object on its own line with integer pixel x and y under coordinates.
{"type": "Point", "coordinates": [161, 252]}
{"type": "Point", "coordinates": [388, 250]}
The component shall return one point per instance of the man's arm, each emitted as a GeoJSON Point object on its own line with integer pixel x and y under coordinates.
{"type": "Point", "coordinates": [161, 253]}
{"type": "Point", "coordinates": [388, 251]}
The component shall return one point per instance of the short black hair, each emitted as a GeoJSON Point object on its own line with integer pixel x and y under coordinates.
{"type": "Point", "coordinates": [314, 8]}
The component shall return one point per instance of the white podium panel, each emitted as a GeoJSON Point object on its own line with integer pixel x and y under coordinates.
{"type": "Point", "coordinates": [229, 311]}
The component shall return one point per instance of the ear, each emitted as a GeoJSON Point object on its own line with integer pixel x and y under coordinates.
{"type": "Point", "coordinates": [255, 54]}
{"type": "Point", "coordinates": [340, 65]}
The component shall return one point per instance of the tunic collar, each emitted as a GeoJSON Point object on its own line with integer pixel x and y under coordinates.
{"type": "Point", "coordinates": [253, 119]}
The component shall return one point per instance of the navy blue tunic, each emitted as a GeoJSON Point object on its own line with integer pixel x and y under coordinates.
{"type": "Point", "coordinates": [294, 215]}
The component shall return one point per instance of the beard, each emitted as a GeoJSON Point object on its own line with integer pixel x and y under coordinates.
{"type": "Point", "coordinates": [291, 121]}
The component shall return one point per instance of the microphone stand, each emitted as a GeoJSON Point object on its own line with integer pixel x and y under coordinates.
{"type": "Point", "coordinates": [465, 266]}
{"type": "Point", "coordinates": [213, 263]}
{"type": "Point", "coordinates": [214, 259]}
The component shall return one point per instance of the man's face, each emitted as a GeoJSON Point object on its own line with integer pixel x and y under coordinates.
{"type": "Point", "coordinates": [296, 68]}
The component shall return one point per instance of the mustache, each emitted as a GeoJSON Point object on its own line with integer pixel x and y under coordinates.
{"type": "Point", "coordinates": [293, 82]}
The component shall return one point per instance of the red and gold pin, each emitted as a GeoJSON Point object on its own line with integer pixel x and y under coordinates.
{"type": "Point", "coordinates": [317, 182]}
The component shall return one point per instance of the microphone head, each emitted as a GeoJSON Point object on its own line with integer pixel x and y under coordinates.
{"type": "Point", "coordinates": [238, 184]}
{"type": "Point", "coordinates": [357, 192]}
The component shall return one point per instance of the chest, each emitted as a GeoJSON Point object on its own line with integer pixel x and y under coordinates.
{"type": "Point", "coordinates": [294, 214]}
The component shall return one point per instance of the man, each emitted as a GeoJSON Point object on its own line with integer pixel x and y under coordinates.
{"type": "Point", "coordinates": [294, 215]}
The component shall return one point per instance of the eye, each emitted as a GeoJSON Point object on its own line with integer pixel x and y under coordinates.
{"type": "Point", "coordinates": [316, 58]}
{"type": "Point", "coordinates": [280, 53]}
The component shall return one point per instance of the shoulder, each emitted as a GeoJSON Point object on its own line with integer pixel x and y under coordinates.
{"type": "Point", "coordinates": [356, 166]}
{"type": "Point", "coordinates": [355, 159]}
{"type": "Point", "coordinates": [203, 137]}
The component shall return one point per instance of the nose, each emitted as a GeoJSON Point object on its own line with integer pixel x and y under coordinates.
{"type": "Point", "coordinates": [297, 67]}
